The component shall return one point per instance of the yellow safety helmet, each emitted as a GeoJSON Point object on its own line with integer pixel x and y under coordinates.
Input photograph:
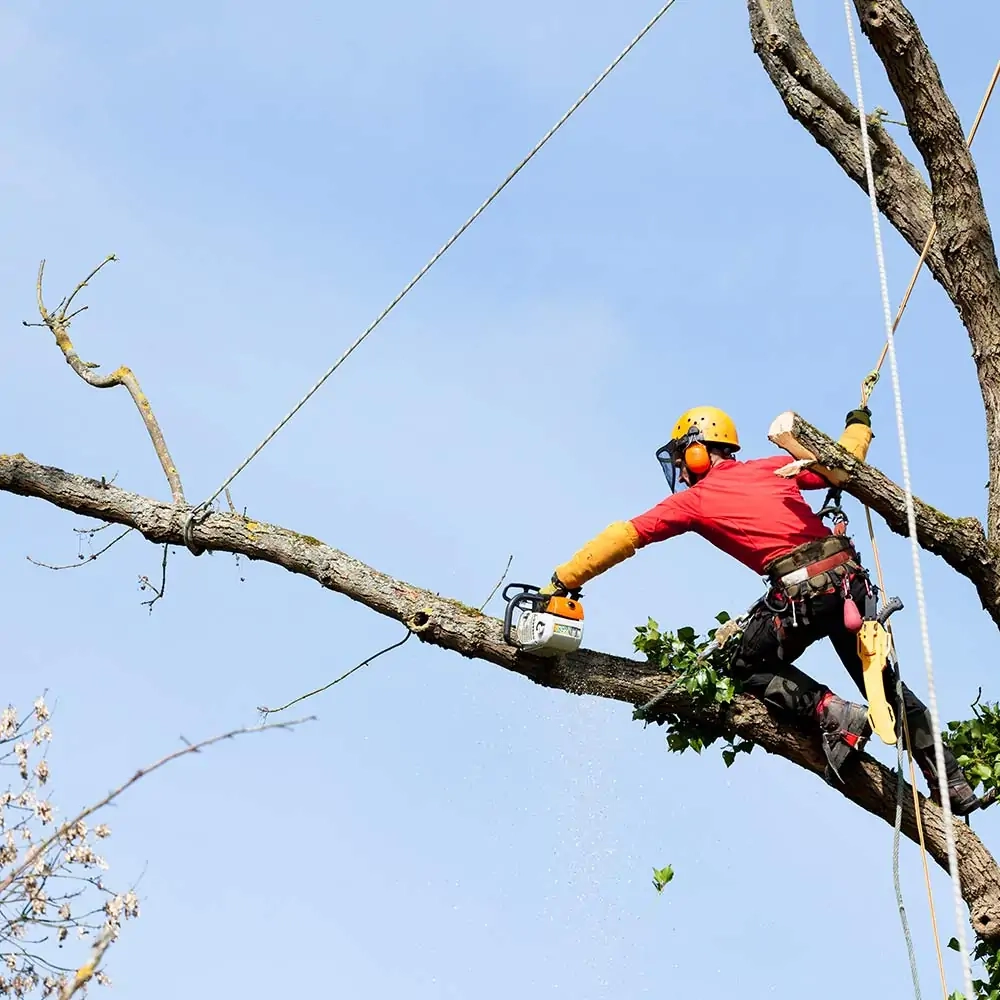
{"type": "Point", "coordinates": [696, 428]}
{"type": "Point", "coordinates": [716, 426]}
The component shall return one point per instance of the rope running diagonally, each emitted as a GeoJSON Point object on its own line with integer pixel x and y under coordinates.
{"type": "Point", "coordinates": [441, 252]}
{"type": "Point", "coordinates": [872, 377]}
{"type": "Point", "coordinates": [911, 517]}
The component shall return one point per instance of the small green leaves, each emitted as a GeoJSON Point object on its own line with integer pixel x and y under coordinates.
{"type": "Point", "coordinates": [698, 668]}
{"type": "Point", "coordinates": [988, 988]}
{"type": "Point", "coordinates": [661, 877]}
{"type": "Point", "coordinates": [739, 746]}
{"type": "Point", "coordinates": [976, 745]}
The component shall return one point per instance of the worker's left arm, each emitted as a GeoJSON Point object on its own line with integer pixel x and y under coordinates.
{"type": "Point", "coordinates": [856, 438]}
{"type": "Point", "coordinates": [619, 541]}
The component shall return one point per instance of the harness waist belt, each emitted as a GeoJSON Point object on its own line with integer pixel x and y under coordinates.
{"type": "Point", "coordinates": [803, 574]}
{"type": "Point", "coordinates": [809, 560]}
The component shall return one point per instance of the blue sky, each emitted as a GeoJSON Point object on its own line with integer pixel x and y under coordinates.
{"type": "Point", "coordinates": [270, 177]}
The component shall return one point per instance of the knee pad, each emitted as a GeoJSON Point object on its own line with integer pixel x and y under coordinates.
{"type": "Point", "coordinates": [783, 694]}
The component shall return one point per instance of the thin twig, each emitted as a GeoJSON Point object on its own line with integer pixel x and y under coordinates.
{"type": "Point", "coordinates": [141, 773]}
{"type": "Point", "coordinates": [83, 284]}
{"type": "Point", "coordinates": [94, 531]}
{"type": "Point", "coordinates": [59, 322]}
{"type": "Point", "coordinates": [265, 712]}
{"type": "Point", "coordinates": [84, 559]}
{"type": "Point", "coordinates": [510, 559]}
{"type": "Point", "coordinates": [144, 582]}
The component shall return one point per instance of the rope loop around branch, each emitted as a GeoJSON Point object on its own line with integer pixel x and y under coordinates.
{"type": "Point", "coordinates": [195, 515]}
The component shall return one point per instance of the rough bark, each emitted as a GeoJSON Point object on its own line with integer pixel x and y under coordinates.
{"type": "Point", "coordinates": [964, 235]}
{"type": "Point", "coordinates": [812, 97]}
{"type": "Point", "coordinates": [454, 626]}
{"type": "Point", "coordinates": [959, 541]}
{"type": "Point", "coordinates": [962, 257]}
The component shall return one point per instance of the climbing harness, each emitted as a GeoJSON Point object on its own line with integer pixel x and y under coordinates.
{"type": "Point", "coordinates": [197, 513]}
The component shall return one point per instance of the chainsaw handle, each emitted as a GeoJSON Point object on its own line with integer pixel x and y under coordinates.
{"type": "Point", "coordinates": [530, 589]}
{"type": "Point", "coordinates": [524, 588]}
{"type": "Point", "coordinates": [528, 597]}
{"type": "Point", "coordinates": [890, 607]}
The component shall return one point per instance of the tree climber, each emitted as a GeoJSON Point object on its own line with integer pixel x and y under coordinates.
{"type": "Point", "coordinates": [762, 520]}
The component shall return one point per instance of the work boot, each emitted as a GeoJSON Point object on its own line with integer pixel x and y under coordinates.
{"type": "Point", "coordinates": [963, 799]}
{"type": "Point", "coordinates": [844, 727]}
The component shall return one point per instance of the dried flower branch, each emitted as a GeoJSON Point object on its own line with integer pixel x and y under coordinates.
{"type": "Point", "coordinates": [59, 322]}
{"type": "Point", "coordinates": [53, 895]}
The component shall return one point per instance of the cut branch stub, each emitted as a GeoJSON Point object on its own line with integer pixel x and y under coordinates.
{"type": "Point", "coordinates": [960, 541]}
{"type": "Point", "coordinates": [58, 322]}
{"type": "Point", "coordinates": [964, 235]}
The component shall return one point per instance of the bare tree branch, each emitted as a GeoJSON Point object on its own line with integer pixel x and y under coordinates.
{"type": "Point", "coordinates": [962, 257]}
{"type": "Point", "coordinates": [17, 871]}
{"type": "Point", "coordinates": [463, 629]}
{"type": "Point", "coordinates": [964, 235]}
{"type": "Point", "coordinates": [59, 322]}
{"type": "Point", "coordinates": [960, 541]}
{"type": "Point", "coordinates": [813, 99]}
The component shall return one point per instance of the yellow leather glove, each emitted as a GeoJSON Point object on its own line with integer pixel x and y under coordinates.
{"type": "Point", "coordinates": [613, 545]}
{"type": "Point", "coordinates": [857, 434]}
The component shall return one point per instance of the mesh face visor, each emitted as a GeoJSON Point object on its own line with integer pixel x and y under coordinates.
{"type": "Point", "coordinates": [671, 455]}
{"type": "Point", "coordinates": [665, 456]}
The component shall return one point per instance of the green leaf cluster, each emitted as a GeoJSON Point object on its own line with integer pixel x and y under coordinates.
{"type": "Point", "coordinates": [988, 988]}
{"type": "Point", "coordinates": [976, 745]}
{"type": "Point", "coordinates": [698, 667]}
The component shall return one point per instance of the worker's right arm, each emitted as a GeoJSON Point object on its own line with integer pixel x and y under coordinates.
{"type": "Point", "coordinates": [619, 541]}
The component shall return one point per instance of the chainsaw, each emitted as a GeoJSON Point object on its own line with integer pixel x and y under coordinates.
{"type": "Point", "coordinates": [548, 624]}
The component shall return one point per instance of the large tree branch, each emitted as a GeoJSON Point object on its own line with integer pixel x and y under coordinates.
{"type": "Point", "coordinates": [813, 99]}
{"type": "Point", "coordinates": [455, 626]}
{"type": "Point", "coordinates": [960, 541]}
{"type": "Point", "coordinates": [964, 235]}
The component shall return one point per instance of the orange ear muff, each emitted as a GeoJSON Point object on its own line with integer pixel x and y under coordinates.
{"type": "Point", "coordinates": [696, 458]}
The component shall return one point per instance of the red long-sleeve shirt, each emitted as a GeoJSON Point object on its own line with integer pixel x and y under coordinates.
{"type": "Point", "coordinates": [742, 508]}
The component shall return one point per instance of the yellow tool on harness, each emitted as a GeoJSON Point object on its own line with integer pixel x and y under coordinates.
{"type": "Point", "coordinates": [875, 648]}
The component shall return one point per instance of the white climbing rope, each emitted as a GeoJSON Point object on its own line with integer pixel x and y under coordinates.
{"type": "Point", "coordinates": [911, 517]}
{"type": "Point", "coordinates": [440, 253]}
